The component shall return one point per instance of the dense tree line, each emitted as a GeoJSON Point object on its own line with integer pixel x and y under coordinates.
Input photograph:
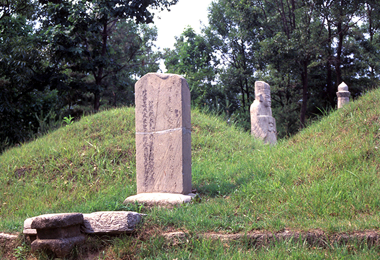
{"type": "Point", "coordinates": [56, 55]}
{"type": "Point", "coordinates": [303, 49]}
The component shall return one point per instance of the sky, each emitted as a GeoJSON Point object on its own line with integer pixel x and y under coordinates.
{"type": "Point", "coordinates": [173, 23]}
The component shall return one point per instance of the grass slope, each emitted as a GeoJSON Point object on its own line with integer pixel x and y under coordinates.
{"type": "Point", "coordinates": [326, 177]}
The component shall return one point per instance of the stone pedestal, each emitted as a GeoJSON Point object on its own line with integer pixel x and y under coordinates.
{"type": "Point", "coordinates": [163, 134]}
{"type": "Point", "coordinates": [161, 199]}
{"type": "Point", "coordinates": [57, 232]}
{"type": "Point", "coordinates": [343, 95]}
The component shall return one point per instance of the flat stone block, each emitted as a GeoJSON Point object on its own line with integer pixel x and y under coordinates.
{"type": "Point", "coordinates": [162, 199]}
{"type": "Point", "coordinates": [110, 222]}
{"type": "Point", "coordinates": [163, 162]}
{"type": "Point", "coordinates": [56, 220]}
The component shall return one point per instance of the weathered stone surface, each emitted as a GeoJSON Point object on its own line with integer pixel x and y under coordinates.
{"type": "Point", "coordinates": [163, 134]}
{"type": "Point", "coordinates": [10, 237]}
{"type": "Point", "coordinates": [57, 220]}
{"type": "Point", "coordinates": [162, 199]}
{"type": "Point", "coordinates": [110, 222]}
{"type": "Point", "coordinates": [28, 230]}
{"type": "Point", "coordinates": [263, 125]}
{"type": "Point", "coordinates": [162, 163]}
{"type": "Point", "coordinates": [57, 232]}
{"type": "Point", "coordinates": [343, 95]}
{"type": "Point", "coordinates": [61, 246]}
{"type": "Point", "coordinates": [162, 103]}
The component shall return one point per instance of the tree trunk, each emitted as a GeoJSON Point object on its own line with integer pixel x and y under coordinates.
{"type": "Point", "coordinates": [242, 92]}
{"type": "Point", "coordinates": [329, 86]}
{"type": "Point", "coordinates": [304, 94]}
{"type": "Point", "coordinates": [339, 54]}
{"type": "Point", "coordinates": [99, 76]}
{"type": "Point", "coordinates": [96, 100]}
{"type": "Point", "coordinates": [340, 47]}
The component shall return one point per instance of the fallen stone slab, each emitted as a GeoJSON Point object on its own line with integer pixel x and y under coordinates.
{"type": "Point", "coordinates": [10, 237]}
{"type": "Point", "coordinates": [58, 232]}
{"type": "Point", "coordinates": [110, 222]}
{"type": "Point", "coordinates": [161, 199]}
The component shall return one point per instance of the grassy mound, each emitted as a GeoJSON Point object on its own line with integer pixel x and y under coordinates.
{"type": "Point", "coordinates": [326, 177]}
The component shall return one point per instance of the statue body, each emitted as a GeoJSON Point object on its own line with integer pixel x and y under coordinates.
{"type": "Point", "coordinates": [263, 125]}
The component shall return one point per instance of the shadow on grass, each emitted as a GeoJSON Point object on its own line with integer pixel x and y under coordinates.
{"type": "Point", "coordinates": [217, 188]}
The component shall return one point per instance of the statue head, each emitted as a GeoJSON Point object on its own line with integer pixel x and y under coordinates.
{"type": "Point", "coordinates": [262, 93]}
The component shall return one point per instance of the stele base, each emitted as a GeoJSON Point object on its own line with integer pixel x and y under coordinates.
{"type": "Point", "coordinates": [161, 199]}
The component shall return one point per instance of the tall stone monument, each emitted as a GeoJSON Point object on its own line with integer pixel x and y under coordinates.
{"type": "Point", "coordinates": [263, 125]}
{"type": "Point", "coordinates": [343, 95]}
{"type": "Point", "coordinates": [163, 139]}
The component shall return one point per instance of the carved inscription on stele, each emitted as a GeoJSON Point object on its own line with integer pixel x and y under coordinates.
{"type": "Point", "coordinates": [163, 134]}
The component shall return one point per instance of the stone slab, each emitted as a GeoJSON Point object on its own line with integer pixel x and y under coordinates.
{"type": "Point", "coordinates": [163, 134]}
{"type": "Point", "coordinates": [110, 222]}
{"type": "Point", "coordinates": [161, 199]}
{"type": "Point", "coordinates": [163, 162]}
{"type": "Point", "coordinates": [56, 220]}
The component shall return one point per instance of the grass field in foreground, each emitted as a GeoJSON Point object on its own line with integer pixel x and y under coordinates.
{"type": "Point", "coordinates": [326, 177]}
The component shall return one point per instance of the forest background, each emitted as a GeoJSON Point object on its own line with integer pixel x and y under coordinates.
{"type": "Point", "coordinates": [62, 59]}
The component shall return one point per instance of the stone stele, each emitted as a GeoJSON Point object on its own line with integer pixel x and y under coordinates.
{"type": "Point", "coordinates": [263, 125]}
{"type": "Point", "coordinates": [57, 232]}
{"type": "Point", "coordinates": [343, 95]}
{"type": "Point", "coordinates": [163, 134]}
{"type": "Point", "coordinates": [110, 222]}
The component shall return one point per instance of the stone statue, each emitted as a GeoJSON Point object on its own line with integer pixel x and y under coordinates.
{"type": "Point", "coordinates": [343, 95]}
{"type": "Point", "coordinates": [263, 125]}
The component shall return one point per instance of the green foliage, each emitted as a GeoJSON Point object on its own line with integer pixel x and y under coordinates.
{"type": "Point", "coordinates": [21, 252]}
{"type": "Point", "coordinates": [303, 49]}
{"type": "Point", "coordinates": [68, 120]}
{"type": "Point", "coordinates": [25, 81]}
{"type": "Point", "coordinates": [193, 58]}
{"type": "Point", "coordinates": [82, 37]}
{"type": "Point", "coordinates": [132, 46]}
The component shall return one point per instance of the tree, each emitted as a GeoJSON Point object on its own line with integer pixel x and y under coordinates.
{"type": "Point", "coordinates": [25, 78]}
{"type": "Point", "coordinates": [236, 47]}
{"type": "Point", "coordinates": [80, 32]}
{"type": "Point", "coordinates": [303, 49]}
{"type": "Point", "coordinates": [134, 50]}
{"type": "Point", "coordinates": [193, 58]}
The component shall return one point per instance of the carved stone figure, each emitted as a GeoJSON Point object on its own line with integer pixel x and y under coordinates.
{"type": "Point", "coordinates": [343, 95]}
{"type": "Point", "coordinates": [263, 125]}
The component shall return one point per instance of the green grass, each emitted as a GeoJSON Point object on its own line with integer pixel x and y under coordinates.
{"type": "Point", "coordinates": [326, 177]}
